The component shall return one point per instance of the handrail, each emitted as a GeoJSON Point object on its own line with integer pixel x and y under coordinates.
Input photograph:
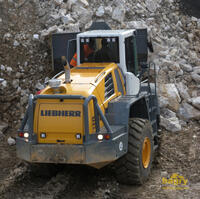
{"type": "Point", "coordinates": [29, 115]}
{"type": "Point", "coordinates": [97, 113]}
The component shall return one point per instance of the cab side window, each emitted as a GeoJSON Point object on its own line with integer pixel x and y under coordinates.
{"type": "Point", "coordinates": [129, 54]}
{"type": "Point", "coordinates": [130, 47]}
{"type": "Point", "coordinates": [109, 86]}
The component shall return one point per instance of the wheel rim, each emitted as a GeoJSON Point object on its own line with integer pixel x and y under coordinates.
{"type": "Point", "coordinates": [146, 152]}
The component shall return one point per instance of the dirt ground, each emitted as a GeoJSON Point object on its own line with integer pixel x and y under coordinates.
{"type": "Point", "coordinates": [177, 153]}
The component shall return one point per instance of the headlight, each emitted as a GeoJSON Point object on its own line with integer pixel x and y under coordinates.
{"type": "Point", "coordinates": [43, 135]}
{"type": "Point", "coordinates": [100, 137]}
{"type": "Point", "coordinates": [26, 135]}
{"type": "Point", "coordinates": [78, 136]}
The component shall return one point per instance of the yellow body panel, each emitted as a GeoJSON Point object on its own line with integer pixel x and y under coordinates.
{"type": "Point", "coordinates": [56, 119]}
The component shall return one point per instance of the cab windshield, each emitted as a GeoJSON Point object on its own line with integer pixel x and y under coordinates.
{"type": "Point", "coordinates": [104, 49]}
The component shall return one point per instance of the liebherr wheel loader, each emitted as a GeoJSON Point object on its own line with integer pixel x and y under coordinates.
{"type": "Point", "coordinates": [102, 111]}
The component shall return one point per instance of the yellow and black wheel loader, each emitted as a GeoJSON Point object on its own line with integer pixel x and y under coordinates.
{"type": "Point", "coordinates": [100, 109]}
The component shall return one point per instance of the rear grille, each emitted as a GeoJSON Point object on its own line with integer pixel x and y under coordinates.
{"type": "Point", "coordinates": [109, 86]}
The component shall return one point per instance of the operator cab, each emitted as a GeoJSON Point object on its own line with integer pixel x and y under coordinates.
{"type": "Point", "coordinates": [126, 48]}
{"type": "Point", "coordinates": [118, 46]}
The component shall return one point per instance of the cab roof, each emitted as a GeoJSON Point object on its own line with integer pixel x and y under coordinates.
{"type": "Point", "coordinates": [105, 33]}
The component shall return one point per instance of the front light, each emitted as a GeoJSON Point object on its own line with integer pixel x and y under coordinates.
{"type": "Point", "coordinates": [78, 136]}
{"type": "Point", "coordinates": [26, 135]}
{"type": "Point", "coordinates": [43, 135]}
{"type": "Point", "coordinates": [100, 137]}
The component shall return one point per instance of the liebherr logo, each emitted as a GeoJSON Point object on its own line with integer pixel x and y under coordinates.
{"type": "Point", "coordinates": [60, 113]}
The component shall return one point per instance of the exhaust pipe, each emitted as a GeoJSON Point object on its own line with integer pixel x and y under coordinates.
{"type": "Point", "coordinates": [66, 68]}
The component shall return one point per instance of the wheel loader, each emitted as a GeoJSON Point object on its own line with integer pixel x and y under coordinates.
{"type": "Point", "coordinates": [102, 111]}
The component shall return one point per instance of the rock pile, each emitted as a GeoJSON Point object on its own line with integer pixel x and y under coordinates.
{"type": "Point", "coordinates": [25, 58]}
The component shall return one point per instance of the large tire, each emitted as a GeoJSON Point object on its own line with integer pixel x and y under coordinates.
{"type": "Point", "coordinates": [134, 167]}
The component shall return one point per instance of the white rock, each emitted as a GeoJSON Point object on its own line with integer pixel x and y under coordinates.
{"type": "Point", "coordinates": [18, 75]}
{"type": "Point", "coordinates": [4, 83]}
{"type": "Point", "coordinates": [39, 86]}
{"type": "Point", "coordinates": [152, 5]}
{"type": "Point", "coordinates": [170, 124]}
{"type": "Point", "coordinates": [36, 37]}
{"type": "Point", "coordinates": [193, 55]}
{"type": "Point", "coordinates": [16, 43]}
{"type": "Point", "coordinates": [188, 112]}
{"type": "Point", "coordinates": [88, 25]}
{"type": "Point", "coordinates": [41, 68]}
{"type": "Point", "coordinates": [85, 15]}
{"type": "Point", "coordinates": [56, 17]}
{"type": "Point", "coordinates": [23, 99]}
{"type": "Point", "coordinates": [171, 93]}
{"type": "Point", "coordinates": [173, 52]}
{"type": "Point", "coordinates": [73, 27]}
{"type": "Point", "coordinates": [15, 83]}
{"type": "Point", "coordinates": [19, 89]}
{"type": "Point", "coordinates": [58, 2]}
{"type": "Point", "coordinates": [11, 141]}
{"type": "Point", "coordinates": [9, 69]}
{"type": "Point", "coordinates": [163, 102]}
{"type": "Point", "coordinates": [25, 63]}
{"type": "Point", "coordinates": [179, 73]}
{"type": "Point", "coordinates": [108, 10]}
{"type": "Point", "coordinates": [196, 69]}
{"type": "Point", "coordinates": [52, 29]}
{"type": "Point", "coordinates": [84, 2]}
{"type": "Point", "coordinates": [100, 11]}
{"type": "Point", "coordinates": [46, 80]}
{"type": "Point", "coordinates": [196, 76]}
{"type": "Point", "coordinates": [183, 90]}
{"type": "Point", "coordinates": [119, 14]}
{"type": "Point", "coordinates": [175, 67]}
{"type": "Point", "coordinates": [70, 3]}
{"type": "Point", "coordinates": [7, 36]}
{"type": "Point", "coordinates": [198, 23]}
{"type": "Point", "coordinates": [62, 11]}
{"type": "Point", "coordinates": [1, 80]}
{"type": "Point", "coordinates": [67, 19]}
{"type": "Point", "coordinates": [186, 67]}
{"type": "Point", "coordinates": [137, 24]}
{"type": "Point", "coordinates": [194, 19]}
{"type": "Point", "coordinates": [195, 102]}
{"type": "Point", "coordinates": [2, 67]}
{"type": "Point", "coordinates": [165, 112]}
{"type": "Point", "coordinates": [172, 75]}
{"type": "Point", "coordinates": [164, 53]}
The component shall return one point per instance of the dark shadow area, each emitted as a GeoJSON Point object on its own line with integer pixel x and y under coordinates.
{"type": "Point", "coordinates": [191, 8]}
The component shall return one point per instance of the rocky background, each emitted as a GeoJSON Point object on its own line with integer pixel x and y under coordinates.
{"type": "Point", "coordinates": [25, 56]}
{"type": "Point", "coordinates": [25, 53]}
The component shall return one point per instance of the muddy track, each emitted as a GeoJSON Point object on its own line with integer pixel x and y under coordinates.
{"type": "Point", "coordinates": [178, 153]}
{"type": "Point", "coordinates": [59, 181]}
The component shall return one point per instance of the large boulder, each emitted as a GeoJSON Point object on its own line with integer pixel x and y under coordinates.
{"type": "Point", "coordinates": [169, 121]}
{"type": "Point", "coordinates": [195, 101]}
{"type": "Point", "coordinates": [188, 112]}
{"type": "Point", "coordinates": [183, 90]}
{"type": "Point", "coordinates": [170, 92]}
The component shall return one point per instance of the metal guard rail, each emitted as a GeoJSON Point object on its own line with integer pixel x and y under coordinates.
{"type": "Point", "coordinates": [29, 115]}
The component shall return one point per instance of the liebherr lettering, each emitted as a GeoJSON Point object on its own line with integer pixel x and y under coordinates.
{"type": "Point", "coordinates": [60, 113]}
